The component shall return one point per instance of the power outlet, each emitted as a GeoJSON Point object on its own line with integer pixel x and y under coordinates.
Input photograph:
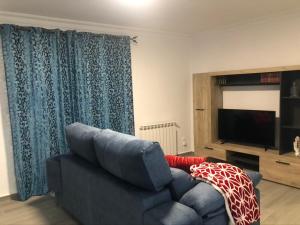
{"type": "Point", "coordinates": [184, 142]}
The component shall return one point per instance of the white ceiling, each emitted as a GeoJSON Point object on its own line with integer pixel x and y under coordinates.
{"type": "Point", "coordinates": [181, 16]}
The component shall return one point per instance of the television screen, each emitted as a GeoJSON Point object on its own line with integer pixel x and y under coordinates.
{"type": "Point", "coordinates": [247, 126]}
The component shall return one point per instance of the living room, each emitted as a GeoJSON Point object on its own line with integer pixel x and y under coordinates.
{"type": "Point", "coordinates": [170, 43]}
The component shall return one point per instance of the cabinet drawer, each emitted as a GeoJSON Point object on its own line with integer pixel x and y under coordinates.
{"type": "Point", "coordinates": [213, 152]}
{"type": "Point", "coordinates": [280, 170]}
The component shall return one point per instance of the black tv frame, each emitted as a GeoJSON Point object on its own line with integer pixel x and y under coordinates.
{"type": "Point", "coordinates": [266, 146]}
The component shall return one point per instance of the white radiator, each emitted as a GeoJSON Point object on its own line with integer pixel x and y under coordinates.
{"type": "Point", "coordinates": [164, 133]}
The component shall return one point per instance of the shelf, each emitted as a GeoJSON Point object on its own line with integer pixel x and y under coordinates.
{"type": "Point", "coordinates": [242, 160]}
{"type": "Point", "coordinates": [248, 161]}
{"type": "Point", "coordinates": [252, 150]}
{"type": "Point", "coordinates": [245, 80]}
{"type": "Point", "coordinates": [291, 127]}
{"type": "Point", "coordinates": [277, 83]}
{"type": "Point", "coordinates": [289, 111]}
{"type": "Point", "coordinates": [291, 98]}
{"type": "Point", "coordinates": [249, 84]}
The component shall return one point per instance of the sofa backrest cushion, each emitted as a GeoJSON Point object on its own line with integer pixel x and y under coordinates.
{"type": "Point", "coordinates": [136, 161]}
{"type": "Point", "coordinates": [80, 139]}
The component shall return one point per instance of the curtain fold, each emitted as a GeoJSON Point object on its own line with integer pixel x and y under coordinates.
{"type": "Point", "coordinates": [55, 78]}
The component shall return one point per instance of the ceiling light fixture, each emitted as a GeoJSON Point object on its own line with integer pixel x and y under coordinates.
{"type": "Point", "coordinates": [136, 3]}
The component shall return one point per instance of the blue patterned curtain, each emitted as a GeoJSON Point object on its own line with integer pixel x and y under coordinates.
{"type": "Point", "coordinates": [55, 78]}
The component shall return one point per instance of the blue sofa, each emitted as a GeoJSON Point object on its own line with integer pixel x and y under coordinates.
{"type": "Point", "coordinates": [111, 178]}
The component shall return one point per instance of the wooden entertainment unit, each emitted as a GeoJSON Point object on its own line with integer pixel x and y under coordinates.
{"type": "Point", "coordinates": [278, 165]}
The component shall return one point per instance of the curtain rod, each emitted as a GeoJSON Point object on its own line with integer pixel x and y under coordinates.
{"type": "Point", "coordinates": [134, 39]}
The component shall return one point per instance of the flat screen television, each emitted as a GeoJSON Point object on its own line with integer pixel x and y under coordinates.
{"type": "Point", "coordinates": [252, 127]}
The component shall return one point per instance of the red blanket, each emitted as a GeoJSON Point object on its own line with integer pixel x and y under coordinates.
{"type": "Point", "coordinates": [236, 188]}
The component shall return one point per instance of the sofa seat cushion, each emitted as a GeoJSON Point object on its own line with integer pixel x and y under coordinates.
{"type": "Point", "coordinates": [219, 218]}
{"type": "Point", "coordinates": [204, 199]}
{"type": "Point", "coordinates": [181, 183]}
{"type": "Point", "coordinates": [80, 139]}
{"type": "Point", "coordinates": [136, 161]}
{"type": "Point", "coordinates": [172, 213]}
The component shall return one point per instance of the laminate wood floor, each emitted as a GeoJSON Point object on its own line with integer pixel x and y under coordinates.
{"type": "Point", "coordinates": [280, 205]}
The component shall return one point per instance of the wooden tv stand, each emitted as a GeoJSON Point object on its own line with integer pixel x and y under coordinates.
{"type": "Point", "coordinates": [283, 169]}
{"type": "Point", "coordinates": [275, 165]}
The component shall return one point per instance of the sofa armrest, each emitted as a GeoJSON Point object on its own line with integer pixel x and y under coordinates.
{"type": "Point", "coordinates": [172, 213]}
{"type": "Point", "coordinates": [204, 199]}
{"type": "Point", "coordinates": [181, 183]}
{"type": "Point", "coordinates": [254, 176]}
{"type": "Point", "coordinates": [54, 174]}
{"type": "Point", "coordinates": [53, 171]}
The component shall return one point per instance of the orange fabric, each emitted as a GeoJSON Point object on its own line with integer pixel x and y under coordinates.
{"type": "Point", "coordinates": [184, 163]}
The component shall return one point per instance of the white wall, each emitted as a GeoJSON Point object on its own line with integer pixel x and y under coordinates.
{"type": "Point", "coordinates": [161, 83]}
{"type": "Point", "coordinates": [252, 97]}
{"type": "Point", "coordinates": [271, 42]}
{"type": "Point", "coordinates": [7, 177]}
